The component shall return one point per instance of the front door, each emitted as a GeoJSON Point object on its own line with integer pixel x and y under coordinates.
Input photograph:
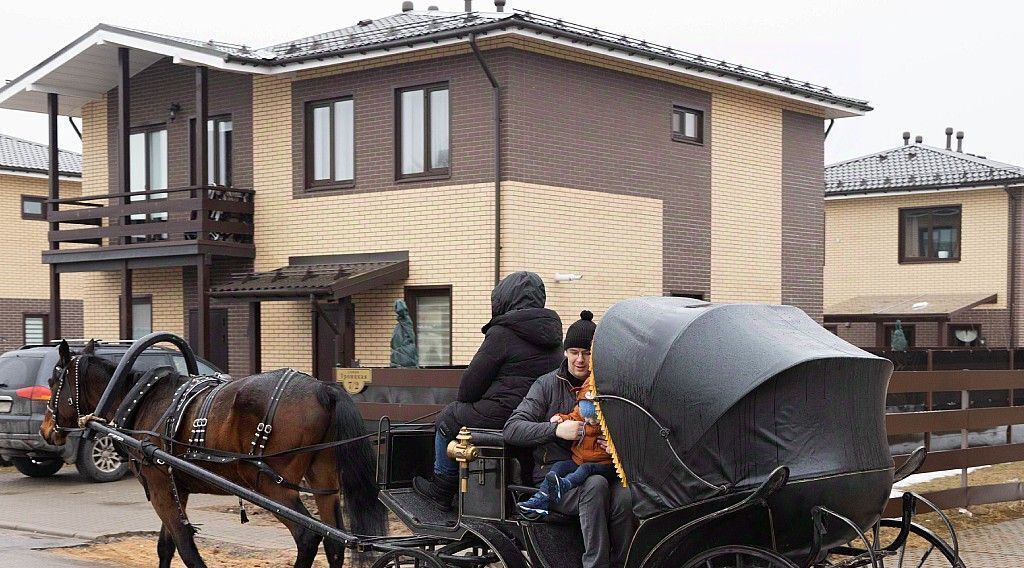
{"type": "Point", "coordinates": [334, 335]}
{"type": "Point", "coordinates": [218, 354]}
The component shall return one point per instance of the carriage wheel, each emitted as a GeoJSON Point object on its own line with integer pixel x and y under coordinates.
{"type": "Point", "coordinates": [407, 558]}
{"type": "Point", "coordinates": [739, 557]}
{"type": "Point", "coordinates": [922, 545]}
{"type": "Point", "coordinates": [469, 552]}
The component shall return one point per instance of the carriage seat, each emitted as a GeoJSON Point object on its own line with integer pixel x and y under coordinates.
{"type": "Point", "coordinates": [522, 458]}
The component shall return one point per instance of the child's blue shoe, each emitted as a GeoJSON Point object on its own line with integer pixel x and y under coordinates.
{"type": "Point", "coordinates": [535, 507]}
{"type": "Point", "coordinates": [556, 486]}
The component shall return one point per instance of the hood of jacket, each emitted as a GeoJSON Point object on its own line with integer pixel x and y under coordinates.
{"type": "Point", "coordinates": [540, 326]}
{"type": "Point", "coordinates": [518, 291]}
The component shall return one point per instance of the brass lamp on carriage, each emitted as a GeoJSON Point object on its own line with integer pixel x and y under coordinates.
{"type": "Point", "coordinates": [463, 452]}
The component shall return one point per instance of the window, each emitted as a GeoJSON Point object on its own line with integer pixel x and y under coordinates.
{"type": "Point", "coordinates": [431, 311]}
{"type": "Point", "coordinates": [35, 329]}
{"type": "Point", "coordinates": [219, 133]}
{"type": "Point", "coordinates": [33, 207]}
{"type": "Point", "coordinates": [964, 335]}
{"type": "Point", "coordinates": [909, 331]}
{"type": "Point", "coordinates": [330, 143]}
{"type": "Point", "coordinates": [930, 234]}
{"type": "Point", "coordinates": [148, 148]}
{"type": "Point", "coordinates": [687, 125]}
{"type": "Point", "coordinates": [142, 317]}
{"type": "Point", "coordinates": [692, 295]}
{"type": "Point", "coordinates": [422, 137]}
{"type": "Point", "coordinates": [833, 329]}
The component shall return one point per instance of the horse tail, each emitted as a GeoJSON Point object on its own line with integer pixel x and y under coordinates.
{"type": "Point", "coordinates": [354, 462]}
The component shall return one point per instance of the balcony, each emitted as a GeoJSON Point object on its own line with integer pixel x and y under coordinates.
{"type": "Point", "coordinates": [146, 229]}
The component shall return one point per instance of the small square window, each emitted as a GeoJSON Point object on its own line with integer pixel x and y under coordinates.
{"type": "Point", "coordinates": [35, 329]}
{"type": "Point", "coordinates": [33, 207]}
{"type": "Point", "coordinates": [687, 125]}
{"type": "Point", "coordinates": [930, 234]}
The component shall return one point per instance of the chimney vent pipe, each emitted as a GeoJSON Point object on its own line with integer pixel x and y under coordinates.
{"type": "Point", "coordinates": [949, 138]}
{"type": "Point", "coordinates": [918, 139]}
{"type": "Point", "coordinates": [499, 5]}
{"type": "Point", "coordinates": [960, 141]}
{"type": "Point", "coordinates": [407, 6]}
{"type": "Point", "coordinates": [906, 138]}
{"type": "Point", "coordinates": [469, 5]}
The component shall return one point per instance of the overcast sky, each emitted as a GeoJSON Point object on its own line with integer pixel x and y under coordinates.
{"type": "Point", "coordinates": [922, 65]}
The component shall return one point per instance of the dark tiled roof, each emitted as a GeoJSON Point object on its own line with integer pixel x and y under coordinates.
{"type": "Point", "coordinates": [410, 28]}
{"type": "Point", "coordinates": [337, 276]}
{"type": "Point", "coordinates": [916, 167]}
{"type": "Point", "coordinates": [24, 156]}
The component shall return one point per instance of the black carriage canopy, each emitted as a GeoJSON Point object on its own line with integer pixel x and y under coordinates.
{"type": "Point", "coordinates": [741, 389]}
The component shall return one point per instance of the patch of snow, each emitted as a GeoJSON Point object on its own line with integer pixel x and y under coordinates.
{"type": "Point", "coordinates": [899, 487]}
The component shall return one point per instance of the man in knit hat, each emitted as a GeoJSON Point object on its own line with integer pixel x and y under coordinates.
{"type": "Point", "coordinates": [604, 508]}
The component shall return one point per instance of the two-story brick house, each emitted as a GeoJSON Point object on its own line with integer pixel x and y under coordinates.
{"type": "Point", "coordinates": [422, 156]}
{"type": "Point", "coordinates": [929, 236]}
{"type": "Point", "coordinates": [24, 288]}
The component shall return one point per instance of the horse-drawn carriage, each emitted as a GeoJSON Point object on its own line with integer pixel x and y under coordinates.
{"type": "Point", "coordinates": [748, 436]}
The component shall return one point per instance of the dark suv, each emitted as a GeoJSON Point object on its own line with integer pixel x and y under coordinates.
{"type": "Point", "coordinates": [24, 392]}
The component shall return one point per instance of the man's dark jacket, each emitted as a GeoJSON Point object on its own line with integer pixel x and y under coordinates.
{"type": "Point", "coordinates": [521, 342]}
{"type": "Point", "coordinates": [529, 425]}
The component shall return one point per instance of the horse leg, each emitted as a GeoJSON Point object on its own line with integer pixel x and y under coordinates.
{"type": "Point", "coordinates": [307, 542]}
{"type": "Point", "coordinates": [322, 475]}
{"type": "Point", "coordinates": [165, 507]}
{"type": "Point", "coordinates": [165, 547]}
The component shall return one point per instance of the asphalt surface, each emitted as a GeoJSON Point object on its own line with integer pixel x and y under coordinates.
{"type": "Point", "coordinates": [19, 549]}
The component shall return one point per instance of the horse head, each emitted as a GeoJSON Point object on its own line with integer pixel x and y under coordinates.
{"type": "Point", "coordinates": [76, 385]}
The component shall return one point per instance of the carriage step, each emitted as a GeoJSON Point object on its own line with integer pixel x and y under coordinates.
{"type": "Point", "coordinates": [420, 515]}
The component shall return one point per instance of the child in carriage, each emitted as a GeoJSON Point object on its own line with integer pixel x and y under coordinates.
{"type": "Point", "coordinates": [588, 457]}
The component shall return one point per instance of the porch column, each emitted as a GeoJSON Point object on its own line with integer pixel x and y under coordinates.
{"type": "Point", "coordinates": [124, 125]}
{"type": "Point", "coordinates": [255, 339]}
{"type": "Point", "coordinates": [202, 346]}
{"type": "Point", "coordinates": [54, 172]}
{"type": "Point", "coordinates": [126, 324]}
{"type": "Point", "coordinates": [201, 167]}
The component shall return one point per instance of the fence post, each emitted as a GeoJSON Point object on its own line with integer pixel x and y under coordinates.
{"type": "Point", "coordinates": [964, 405]}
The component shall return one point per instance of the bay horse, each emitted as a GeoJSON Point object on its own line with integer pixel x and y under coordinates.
{"type": "Point", "coordinates": [309, 412]}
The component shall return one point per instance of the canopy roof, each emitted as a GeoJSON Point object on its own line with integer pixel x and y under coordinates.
{"type": "Point", "coordinates": [905, 307]}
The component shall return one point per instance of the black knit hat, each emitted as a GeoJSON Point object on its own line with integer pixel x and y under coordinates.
{"type": "Point", "coordinates": [581, 332]}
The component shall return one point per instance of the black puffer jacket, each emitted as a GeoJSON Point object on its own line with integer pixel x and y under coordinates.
{"type": "Point", "coordinates": [521, 342]}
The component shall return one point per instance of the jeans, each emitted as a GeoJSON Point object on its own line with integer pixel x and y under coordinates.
{"type": "Point", "coordinates": [576, 475]}
{"type": "Point", "coordinates": [443, 465]}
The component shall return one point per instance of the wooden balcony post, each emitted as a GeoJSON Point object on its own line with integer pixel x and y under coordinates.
{"type": "Point", "coordinates": [124, 125]}
{"type": "Point", "coordinates": [202, 346]}
{"type": "Point", "coordinates": [54, 172]}
{"type": "Point", "coordinates": [255, 339]}
{"type": "Point", "coordinates": [201, 166]}
{"type": "Point", "coordinates": [126, 324]}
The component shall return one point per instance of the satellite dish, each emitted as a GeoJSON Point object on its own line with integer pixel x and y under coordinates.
{"type": "Point", "coordinates": [967, 335]}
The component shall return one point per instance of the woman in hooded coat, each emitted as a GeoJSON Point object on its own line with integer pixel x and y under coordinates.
{"type": "Point", "coordinates": [522, 341]}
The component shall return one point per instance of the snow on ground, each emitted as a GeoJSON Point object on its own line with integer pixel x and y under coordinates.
{"type": "Point", "coordinates": [900, 486]}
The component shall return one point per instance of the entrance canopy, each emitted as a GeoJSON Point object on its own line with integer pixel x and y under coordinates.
{"type": "Point", "coordinates": [331, 277]}
{"type": "Point", "coordinates": [905, 307]}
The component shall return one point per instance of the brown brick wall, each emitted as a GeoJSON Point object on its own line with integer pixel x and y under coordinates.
{"type": "Point", "coordinates": [803, 212]}
{"type": "Point", "coordinates": [573, 125]}
{"type": "Point", "coordinates": [12, 323]}
{"type": "Point", "coordinates": [238, 313]}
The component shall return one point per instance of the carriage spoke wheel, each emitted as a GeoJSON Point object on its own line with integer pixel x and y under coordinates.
{"type": "Point", "coordinates": [739, 557]}
{"type": "Point", "coordinates": [923, 549]}
{"type": "Point", "coordinates": [408, 558]}
{"type": "Point", "coordinates": [467, 553]}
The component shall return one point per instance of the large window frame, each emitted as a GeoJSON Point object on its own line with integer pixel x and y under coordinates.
{"type": "Point", "coordinates": [220, 171]}
{"type": "Point", "coordinates": [413, 294]}
{"type": "Point", "coordinates": [143, 218]}
{"type": "Point", "coordinates": [24, 329]}
{"type": "Point", "coordinates": [311, 183]}
{"type": "Point", "coordinates": [932, 254]}
{"type": "Point", "coordinates": [429, 170]}
{"type": "Point", "coordinates": [679, 125]}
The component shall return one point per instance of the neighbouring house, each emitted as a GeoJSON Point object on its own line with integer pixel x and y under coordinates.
{"type": "Point", "coordinates": [24, 282]}
{"type": "Point", "coordinates": [422, 156]}
{"type": "Point", "coordinates": [928, 236]}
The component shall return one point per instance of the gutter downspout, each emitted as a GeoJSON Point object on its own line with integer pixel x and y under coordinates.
{"type": "Point", "coordinates": [497, 156]}
{"type": "Point", "coordinates": [831, 123]}
{"type": "Point", "coordinates": [1011, 293]}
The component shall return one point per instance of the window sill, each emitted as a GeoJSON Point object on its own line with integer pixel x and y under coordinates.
{"type": "Point", "coordinates": [691, 141]}
{"type": "Point", "coordinates": [330, 187]}
{"type": "Point", "coordinates": [413, 178]}
{"type": "Point", "coordinates": [927, 260]}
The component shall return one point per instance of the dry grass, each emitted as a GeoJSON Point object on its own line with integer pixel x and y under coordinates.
{"type": "Point", "coordinates": [977, 515]}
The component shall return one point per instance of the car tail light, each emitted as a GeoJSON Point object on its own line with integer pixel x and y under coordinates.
{"type": "Point", "coordinates": [34, 393]}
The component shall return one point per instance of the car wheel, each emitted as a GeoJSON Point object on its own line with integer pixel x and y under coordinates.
{"type": "Point", "coordinates": [37, 468]}
{"type": "Point", "coordinates": [100, 461]}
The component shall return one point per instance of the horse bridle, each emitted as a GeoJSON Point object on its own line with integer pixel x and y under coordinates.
{"type": "Point", "coordinates": [54, 402]}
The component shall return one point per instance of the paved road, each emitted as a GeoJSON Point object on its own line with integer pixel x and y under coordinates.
{"type": "Point", "coordinates": [55, 506]}
{"type": "Point", "coordinates": [19, 549]}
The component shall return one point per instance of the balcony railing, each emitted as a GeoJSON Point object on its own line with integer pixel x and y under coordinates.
{"type": "Point", "coordinates": [219, 219]}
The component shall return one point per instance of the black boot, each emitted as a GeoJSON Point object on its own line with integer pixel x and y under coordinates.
{"type": "Point", "coordinates": [439, 489]}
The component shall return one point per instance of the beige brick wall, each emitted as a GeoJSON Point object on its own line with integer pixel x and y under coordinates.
{"type": "Point", "coordinates": [101, 290]}
{"type": "Point", "coordinates": [746, 199]}
{"type": "Point", "coordinates": [24, 240]}
{"type": "Point", "coordinates": [862, 255]}
{"type": "Point", "coordinates": [615, 241]}
{"type": "Point", "coordinates": [430, 223]}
